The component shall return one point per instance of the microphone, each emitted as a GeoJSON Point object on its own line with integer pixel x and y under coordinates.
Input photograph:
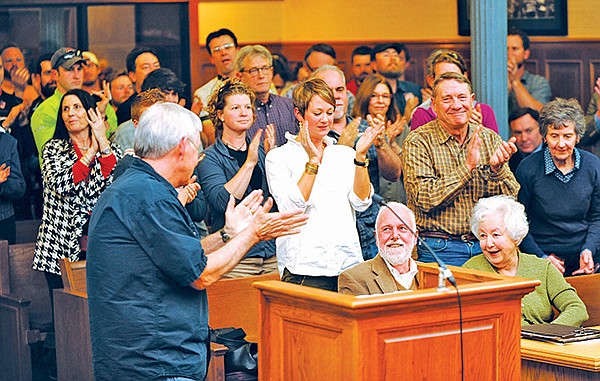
{"type": "Point", "coordinates": [445, 272]}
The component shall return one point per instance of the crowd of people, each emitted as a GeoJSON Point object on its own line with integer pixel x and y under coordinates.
{"type": "Point", "coordinates": [273, 169]}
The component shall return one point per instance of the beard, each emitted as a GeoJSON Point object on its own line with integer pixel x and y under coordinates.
{"type": "Point", "coordinates": [390, 74]}
{"type": "Point", "coordinates": [48, 89]}
{"type": "Point", "coordinates": [7, 76]}
{"type": "Point", "coordinates": [395, 255]}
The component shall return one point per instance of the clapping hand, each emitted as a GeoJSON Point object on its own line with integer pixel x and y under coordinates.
{"type": "Point", "coordinates": [269, 137]}
{"type": "Point", "coordinates": [4, 172]}
{"type": "Point", "coordinates": [502, 154]}
{"type": "Point", "coordinates": [314, 155]}
{"type": "Point", "coordinates": [188, 193]}
{"type": "Point", "coordinates": [349, 134]}
{"type": "Point", "coordinates": [376, 127]}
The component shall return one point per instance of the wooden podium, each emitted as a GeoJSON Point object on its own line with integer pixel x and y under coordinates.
{"type": "Point", "coordinates": [311, 334]}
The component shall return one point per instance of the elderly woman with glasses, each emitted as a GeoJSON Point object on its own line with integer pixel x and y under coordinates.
{"type": "Point", "coordinates": [500, 224]}
{"type": "Point", "coordinates": [235, 166]}
{"type": "Point", "coordinates": [560, 188]}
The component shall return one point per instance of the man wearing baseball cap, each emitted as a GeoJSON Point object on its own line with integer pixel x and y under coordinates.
{"type": "Point", "coordinates": [390, 60]}
{"type": "Point", "coordinates": [91, 72]}
{"type": "Point", "coordinates": [67, 68]}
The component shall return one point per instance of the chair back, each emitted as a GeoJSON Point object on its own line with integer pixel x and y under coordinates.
{"type": "Point", "coordinates": [588, 289]}
{"type": "Point", "coordinates": [73, 276]}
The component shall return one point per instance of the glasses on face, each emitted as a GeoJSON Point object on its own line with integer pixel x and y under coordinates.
{"type": "Point", "coordinates": [198, 150]}
{"type": "Point", "coordinates": [254, 71]}
{"type": "Point", "coordinates": [384, 97]}
{"type": "Point", "coordinates": [226, 46]}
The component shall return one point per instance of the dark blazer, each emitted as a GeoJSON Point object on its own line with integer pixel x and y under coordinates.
{"type": "Point", "coordinates": [369, 278]}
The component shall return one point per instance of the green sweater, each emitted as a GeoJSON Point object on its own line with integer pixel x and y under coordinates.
{"type": "Point", "coordinates": [554, 291]}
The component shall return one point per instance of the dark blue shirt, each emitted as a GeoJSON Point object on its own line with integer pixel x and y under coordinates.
{"type": "Point", "coordinates": [146, 321]}
{"type": "Point", "coordinates": [564, 218]}
{"type": "Point", "coordinates": [214, 171]}
{"type": "Point", "coordinates": [405, 87]}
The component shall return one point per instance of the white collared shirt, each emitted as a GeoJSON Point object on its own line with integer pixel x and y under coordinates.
{"type": "Point", "coordinates": [329, 242]}
{"type": "Point", "coordinates": [405, 280]}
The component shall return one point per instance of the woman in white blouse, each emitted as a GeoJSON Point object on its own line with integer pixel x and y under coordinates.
{"type": "Point", "coordinates": [329, 181]}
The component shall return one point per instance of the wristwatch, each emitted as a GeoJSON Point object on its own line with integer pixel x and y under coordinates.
{"type": "Point", "coordinates": [106, 151]}
{"type": "Point", "coordinates": [224, 236]}
{"type": "Point", "coordinates": [362, 163]}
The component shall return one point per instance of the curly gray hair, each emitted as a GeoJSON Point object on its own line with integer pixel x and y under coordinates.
{"type": "Point", "coordinates": [558, 113]}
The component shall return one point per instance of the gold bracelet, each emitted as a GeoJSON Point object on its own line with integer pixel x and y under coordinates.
{"type": "Point", "coordinates": [84, 161]}
{"type": "Point", "coordinates": [311, 169]}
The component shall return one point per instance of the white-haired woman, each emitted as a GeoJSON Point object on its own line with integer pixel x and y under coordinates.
{"type": "Point", "coordinates": [500, 224]}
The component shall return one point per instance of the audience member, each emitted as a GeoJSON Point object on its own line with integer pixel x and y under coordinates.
{"type": "Point", "coordinates": [140, 62]}
{"type": "Point", "coordinates": [77, 167]}
{"type": "Point", "coordinates": [448, 164]}
{"type": "Point", "coordinates": [374, 106]}
{"type": "Point", "coordinates": [391, 60]}
{"type": "Point", "coordinates": [500, 224]}
{"type": "Point", "coordinates": [91, 73]}
{"type": "Point", "coordinates": [254, 66]}
{"type": "Point", "coordinates": [16, 74]}
{"type": "Point", "coordinates": [121, 88]}
{"type": "Point", "coordinates": [590, 139]}
{"type": "Point", "coordinates": [124, 136]}
{"type": "Point", "coordinates": [282, 74]}
{"type": "Point", "coordinates": [524, 88]}
{"type": "Point", "coordinates": [146, 268]}
{"type": "Point", "coordinates": [524, 127]}
{"type": "Point", "coordinates": [439, 62]}
{"type": "Point", "coordinates": [67, 66]}
{"type": "Point", "coordinates": [312, 173]}
{"type": "Point", "coordinates": [14, 122]}
{"type": "Point", "coordinates": [560, 188]}
{"type": "Point", "coordinates": [392, 269]}
{"type": "Point", "coordinates": [344, 131]}
{"type": "Point", "coordinates": [12, 184]}
{"type": "Point", "coordinates": [44, 82]}
{"type": "Point", "coordinates": [166, 81]}
{"type": "Point", "coordinates": [360, 59]}
{"type": "Point", "coordinates": [235, 166]}
{"type": "Point", "coordinates": [222, 47]}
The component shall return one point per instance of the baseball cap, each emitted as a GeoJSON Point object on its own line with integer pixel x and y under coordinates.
{"type": "Point", "coordinates": [66, 57]}
{"type": "Point", "coordinates": [383, 47]}
{"type": "Point", "coordinates": [91, 56]}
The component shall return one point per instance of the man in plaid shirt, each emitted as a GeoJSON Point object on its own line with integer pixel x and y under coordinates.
{"type": "Point", "coordinates": [448, 165]}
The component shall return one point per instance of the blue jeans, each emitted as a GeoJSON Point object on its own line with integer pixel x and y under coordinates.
{"type": "Point", "coordinates": [452, 252]}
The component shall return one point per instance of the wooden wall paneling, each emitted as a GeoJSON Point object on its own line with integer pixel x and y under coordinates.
{"type": "Point", "coordinates": [566, 78]}
{"type": "Point", "coordinates": [559, 59]}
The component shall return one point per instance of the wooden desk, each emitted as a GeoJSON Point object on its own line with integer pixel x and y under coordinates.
{"type": "Point", "coordinates": [548, 361]}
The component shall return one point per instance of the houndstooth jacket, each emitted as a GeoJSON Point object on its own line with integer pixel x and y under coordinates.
{"type": "Point", "coordinates": [66, 205]}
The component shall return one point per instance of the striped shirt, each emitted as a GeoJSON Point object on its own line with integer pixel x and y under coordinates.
{"type": "Point", "coordinates": [440, 189]}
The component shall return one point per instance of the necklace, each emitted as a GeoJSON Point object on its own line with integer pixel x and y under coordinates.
{"type": "Point", "coordinates": [235, 148]}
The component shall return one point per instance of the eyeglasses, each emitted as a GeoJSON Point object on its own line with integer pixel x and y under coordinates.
{"type": "Point", "coordinates": [226, 46]}
{"type": "Point", "coordinates": [198, 149]}
{"type": "Point", "coordinates": [254, 71]}
{"type": "Point", "coordinates": [385, 97]}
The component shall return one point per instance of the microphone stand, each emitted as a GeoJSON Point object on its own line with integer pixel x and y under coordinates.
{"type": "Point", "coordinates": [445, 272]}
